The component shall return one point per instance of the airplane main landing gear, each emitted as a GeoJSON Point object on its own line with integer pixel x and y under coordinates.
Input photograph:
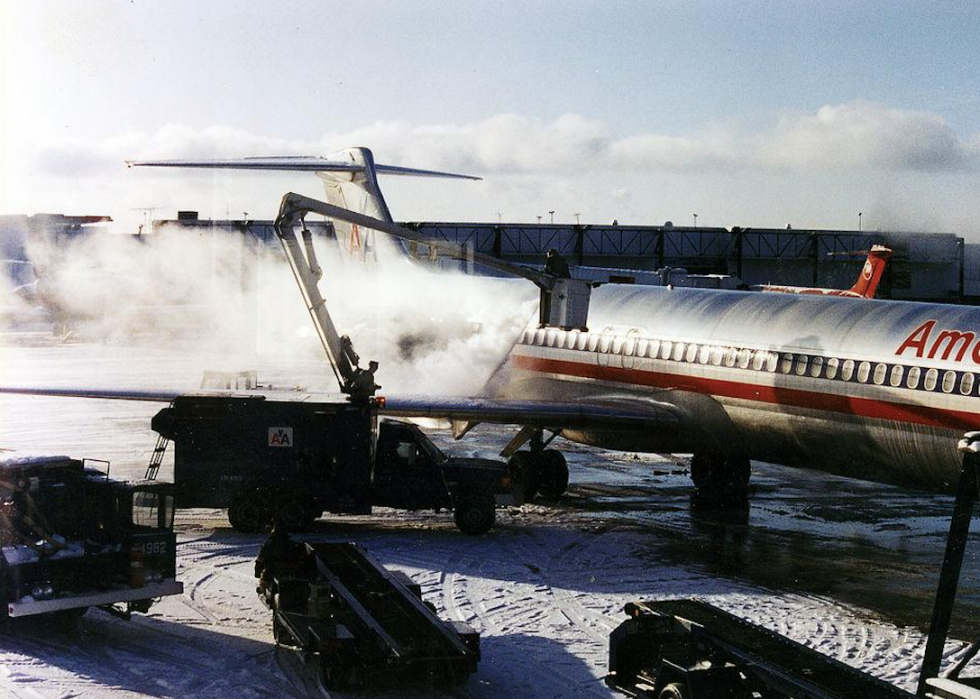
{"type": "Point", "coordinates": [544, 472]}
{"type": "Point", "coordinates": [720, 477]}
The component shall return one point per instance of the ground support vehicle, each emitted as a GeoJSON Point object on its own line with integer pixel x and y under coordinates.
{"type": "Point", "coordinates": [289, 460]}
{"type": "Point", "coordinates": [73, 538]}
{"type": "Point", "coordinates": [688, 649]}
{"type": "Point", "coordinates": [358, 623]}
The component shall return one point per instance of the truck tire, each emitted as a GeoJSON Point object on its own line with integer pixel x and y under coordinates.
{"type": "Point", "coordinates": [294, 512]}
{"type": "Point", "coordinates": [524, 475]}
{"type": "Point", "coordinates": [247, 515]}
{"type": "Point", "coordinates": [475, 513]}
{"type": "Point", "coordinates": [336, 673]}
{"type": "Point", "coordinates": [554, 474]}
{"type": "Point", "coordinates": [674, 690]}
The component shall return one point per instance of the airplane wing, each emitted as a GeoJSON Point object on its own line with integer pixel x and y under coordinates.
{"type": "Point", "coordinates": [544, 414]}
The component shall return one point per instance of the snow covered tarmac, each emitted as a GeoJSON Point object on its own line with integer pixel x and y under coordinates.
{"type": "Point", "coordinates": [839, 565]}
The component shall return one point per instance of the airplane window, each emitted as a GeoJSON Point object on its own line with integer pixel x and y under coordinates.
{"type": "Point", "coordinates": [744, 358]}
{"type": "Point", "coordinates": [654, 349]}
{"type": "Point", "coordinates": [930, 383]}
{"type": "Point", "coordinates": [641, 347]}
{"type": "Point", "coordinates": [704, 354]}
{"type": "Point", "coordinates": [666, 348]}
{"type": "Point", "coordinates": [730, 356]}
{"type": "Point", "coordinates": [801, 365]}
{"type": "Point", "coordinates": [847, 371]}
{"type": "Point", "coordinates": [832, 365]}
{"type": "Point", "coordinates": [816, 367]}
{"type": "Point", "coordinates": [864, 370]}
{"type": "Point", "coordinates": [717, 354]}
{"type": "Point", "coordinates": [896, 379]}
{"type": "Point", "coordinates": [881, 370]}
{"type": "Point", "coordinates": [772, 361]}
{"type": "Point", "coordinates": [552, 337]}
{"type": "Point", "coordinates": [787, 364]}
{"type": "Point", "coordinates": [692, 352]}
{"type": "Point", "coordinates": [966, 384]}
{"type": "Point", "coordinates": [949, 381]}
{"type": "Point", "coordinates": [629, 345]}
{"type": "Point", "coordinates": [913, 379]}
{"type": "Point", "coordinates": [617, 345]}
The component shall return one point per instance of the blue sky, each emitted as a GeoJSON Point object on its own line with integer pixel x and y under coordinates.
{"type": "Point", "coordinates": [748, 113]}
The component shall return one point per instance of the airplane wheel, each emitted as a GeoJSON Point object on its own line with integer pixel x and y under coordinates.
{"type": "Point", "coordinates": [475, 514]}
{"type": "Point", "coordinates": [716, 474]}
{"type": "Point", "coordinates": [524, 474]}
{"type": "Point", "coordinates": [554, 474]}
{"type": "Point", "coordinates": [247, 515]}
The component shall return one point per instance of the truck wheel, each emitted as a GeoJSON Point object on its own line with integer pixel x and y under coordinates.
{"type": "Point", "coordinates": [674, 690]}
{"type": "Point", "coordinates": [280, 634]}
{"type": "Point", "coordinates": [554, 474]}
{"type": "Point", "coordinates": [293, 512]}
{"type": "Point", "coordinates": [475, 514]}
{"type": "Point", "coordinates": [524, 474]}
{"type": "Point", "coordinates": [247, 515]}
{"type": "Point", "coordinates": [336, 674]}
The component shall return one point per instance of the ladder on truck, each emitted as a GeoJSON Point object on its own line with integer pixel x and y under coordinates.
{"type": "Point", "coordinates": [156, 458]}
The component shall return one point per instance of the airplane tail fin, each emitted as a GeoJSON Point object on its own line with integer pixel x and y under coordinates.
{"type": "Point", "coordinates": [350, 178]}
{"type": "Point", "coordinates": [874, 266]}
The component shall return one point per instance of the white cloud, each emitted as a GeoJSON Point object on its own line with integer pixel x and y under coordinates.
{"type": "Point", "coordinates": [571, 164]}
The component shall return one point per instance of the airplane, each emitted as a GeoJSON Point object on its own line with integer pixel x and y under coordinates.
{"type": "Point", "coordinates": [865, 287]}
{"type": "Point", "coordinates": [871, 389]}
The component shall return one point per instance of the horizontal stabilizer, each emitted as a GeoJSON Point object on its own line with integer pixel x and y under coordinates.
{"type": "Point", "coordinates": [297, 163]}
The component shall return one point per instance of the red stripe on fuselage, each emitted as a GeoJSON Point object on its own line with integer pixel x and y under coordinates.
{"type": "Point", "coordinates": [775, 395]}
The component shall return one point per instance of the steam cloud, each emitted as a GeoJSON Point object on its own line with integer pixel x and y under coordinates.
{"type": "Point", "coordinates": [226, 306]}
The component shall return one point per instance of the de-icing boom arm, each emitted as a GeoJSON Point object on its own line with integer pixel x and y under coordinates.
{"type": "Point", "coordinates": [343, 360]}
{"type": "Point", "coordinates": [293, 203]}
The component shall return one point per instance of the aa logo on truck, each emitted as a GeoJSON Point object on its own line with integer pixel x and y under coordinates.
{"type": "Point", "coordinates": [280, 436]}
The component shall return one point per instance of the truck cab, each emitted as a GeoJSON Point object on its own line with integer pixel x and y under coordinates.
{"type": "Point", "coordinates": [412, 473]}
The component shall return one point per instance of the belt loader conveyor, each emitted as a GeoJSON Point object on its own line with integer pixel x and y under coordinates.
{"type": "Point", "coordinates": [364, 625]}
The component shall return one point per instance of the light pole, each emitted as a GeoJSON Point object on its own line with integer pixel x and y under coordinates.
{"type": "Point", "coordinates": [576, 219]}
{"type": "Point", "coordinates": [539, 220]}
{"type": "Point", "coordinates": [859, 221]}
{"type": "Point", "coordinates": [552, 216]}
{"type": "Point", "coordinates": [695, 220]}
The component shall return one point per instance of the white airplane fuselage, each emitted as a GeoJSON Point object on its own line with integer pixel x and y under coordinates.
{"type": "Point", "coordinates": [878, 390]}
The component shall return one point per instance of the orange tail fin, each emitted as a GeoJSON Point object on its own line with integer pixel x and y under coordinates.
{"type": "Point", "coordinates": [874, 266]}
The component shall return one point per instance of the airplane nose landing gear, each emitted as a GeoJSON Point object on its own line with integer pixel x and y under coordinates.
{"type": "Point", "coordinates": [543, 472]}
